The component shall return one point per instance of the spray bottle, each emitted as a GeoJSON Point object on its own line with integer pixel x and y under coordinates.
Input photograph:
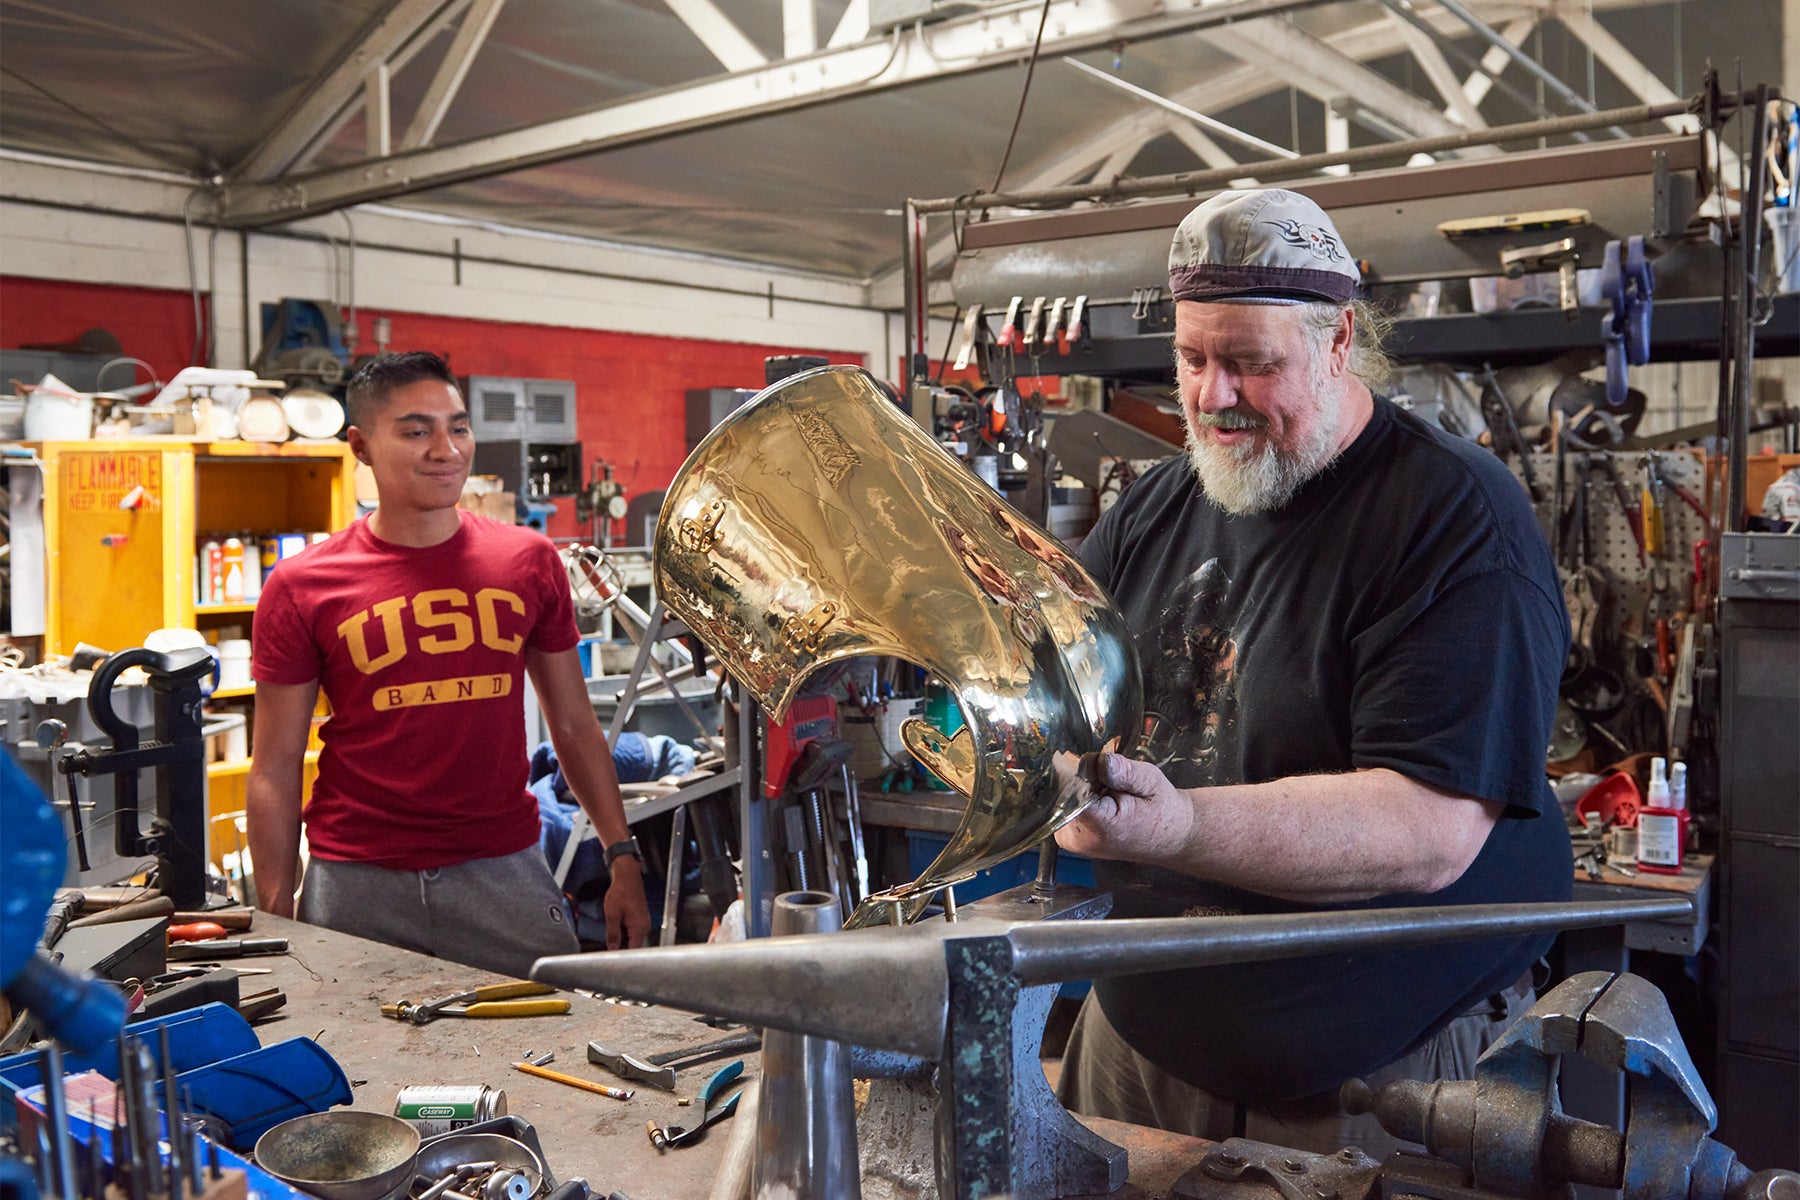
{"type": "Point", "coordinates": [1662, 827]}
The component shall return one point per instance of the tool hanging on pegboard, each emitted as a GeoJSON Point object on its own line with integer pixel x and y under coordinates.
{"type": "Point", "coordinates": [1630, 533]}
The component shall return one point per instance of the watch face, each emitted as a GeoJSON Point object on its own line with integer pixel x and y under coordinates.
{"type": "Point", "coordinates": [616, 507]}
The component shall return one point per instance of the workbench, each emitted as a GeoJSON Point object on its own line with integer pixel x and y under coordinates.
{"type": "Point", "coordinates": [335, 985]}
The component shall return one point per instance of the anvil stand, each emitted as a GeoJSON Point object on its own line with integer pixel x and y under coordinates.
{"type": "Point", "coordinates": [982, 1119]}
{"type": "Point", "coordinates": [177, 756]}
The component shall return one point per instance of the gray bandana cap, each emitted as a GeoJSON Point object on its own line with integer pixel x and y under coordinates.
{"type": "Point", "coordinates": [1268, 245]}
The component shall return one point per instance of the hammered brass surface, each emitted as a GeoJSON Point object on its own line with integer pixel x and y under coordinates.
{"type": "Point", "coordinates": [819, 523]}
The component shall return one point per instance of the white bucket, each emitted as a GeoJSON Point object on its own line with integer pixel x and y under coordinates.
{"type": "Point", "coordinates": [50, 417]}
{"type": "Point", "coordinates": [234, 663]}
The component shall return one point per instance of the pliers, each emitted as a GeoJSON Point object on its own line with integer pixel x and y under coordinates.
{"type": "Point", "coordinates": [713, 1104]}
{"type": "Point", "coordinates": [494, 1000]}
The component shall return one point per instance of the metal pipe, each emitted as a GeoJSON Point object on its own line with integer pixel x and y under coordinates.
{"type": "Point", "coordinates": [1306, 164]}
{"type": "Point", "coordinates": [806, 1114]}
{"type": "Point", "coordinates": [1750, 221]}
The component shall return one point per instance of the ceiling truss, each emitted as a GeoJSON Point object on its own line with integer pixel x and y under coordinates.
{"type": "Point", "coordinates": [274, 183]}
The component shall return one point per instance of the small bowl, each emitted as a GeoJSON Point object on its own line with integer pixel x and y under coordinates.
{"type": "Point", "coordinates": [342, 1155]}
{"type": "Point", "coordinates": [446, 1153]}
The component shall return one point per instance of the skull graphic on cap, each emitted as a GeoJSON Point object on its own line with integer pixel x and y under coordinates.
{"type": "Point", "coordinates": [1311, 238]}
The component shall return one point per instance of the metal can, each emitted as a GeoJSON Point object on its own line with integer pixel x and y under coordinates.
{"type": "Point", "coordinates": [439, 1108]}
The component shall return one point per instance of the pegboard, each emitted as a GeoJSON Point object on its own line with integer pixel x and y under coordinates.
{"type": "Point", "coordinates": [1659, 586]}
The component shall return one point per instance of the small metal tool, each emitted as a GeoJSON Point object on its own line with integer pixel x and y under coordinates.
{"type": "Point", "coordinates": [494, 1000]}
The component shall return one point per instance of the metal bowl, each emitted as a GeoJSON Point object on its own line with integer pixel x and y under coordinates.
{"type": "Point", "coordinates": [444, 1154]}
{"type": "Point", "coordinates": [343, 1155]}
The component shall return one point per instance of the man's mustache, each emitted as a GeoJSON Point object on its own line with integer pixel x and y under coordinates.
{"type": "Point", "coordinates": [1230, 418]}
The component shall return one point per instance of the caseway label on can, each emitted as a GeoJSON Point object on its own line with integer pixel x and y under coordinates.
{"type": "Point", "coordinates": [1659, 840]}
{"type": "Point", "coordinates": [440, 1108]}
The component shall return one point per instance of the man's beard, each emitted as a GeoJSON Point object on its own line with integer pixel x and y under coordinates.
{"type": "Point", "coordinates": [1247, 481]}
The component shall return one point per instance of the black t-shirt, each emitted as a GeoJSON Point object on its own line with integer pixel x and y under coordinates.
{"type": "Point", "coordinates": [1402, 612]}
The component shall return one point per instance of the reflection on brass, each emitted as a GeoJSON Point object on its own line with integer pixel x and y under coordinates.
{"type": "Point", "coordinates": [701, 533]}
{"type": "Point", "coordinates": [819, 523]}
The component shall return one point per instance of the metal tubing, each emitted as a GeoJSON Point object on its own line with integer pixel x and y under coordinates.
{"type": "Point", "coordinates": [1288, 168]}
{"type": "Point", "coordinates": [806, 1115]}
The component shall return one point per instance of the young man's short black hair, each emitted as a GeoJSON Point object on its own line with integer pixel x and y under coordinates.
{"type": "Point", "coordinates": [370, 386]}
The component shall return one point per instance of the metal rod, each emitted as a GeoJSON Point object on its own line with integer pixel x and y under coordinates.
{"type": "Point", "coordinates": [1750, 220]}
{"type": "Point", "coordinates": [1306, 164]}
{"type": "Point", "coordinates": [1537, 70]}
{"type": "Point", "coordinates": [172, 1111]}
{"type": "Point", "coordinates": [56, 1110]}
{"type": "Point", "coordinates": [1406, 12]}
{"type": "Point", "coordinates": [1053, 952]}
{"type": "Point", "coordinates": [671, 922]}
{"type": "Point", "coordinates": [1211, 124]}
{"type": "Point", "coordinates": [853, 821]}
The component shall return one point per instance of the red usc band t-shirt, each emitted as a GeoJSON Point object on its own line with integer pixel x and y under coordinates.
{"type": "Point", "coordinates": [421, 652]}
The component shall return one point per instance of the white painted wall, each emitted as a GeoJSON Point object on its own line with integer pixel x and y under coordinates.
{"type": "Point", "coordinates": [60, 222]}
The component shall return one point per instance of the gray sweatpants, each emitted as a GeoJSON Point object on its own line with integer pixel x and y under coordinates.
{"type": "Point", "coordinates": [1103, 1076]}
{"type": "Point", "coordinates": [501, 914]}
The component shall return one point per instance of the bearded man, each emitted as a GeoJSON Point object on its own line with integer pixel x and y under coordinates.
{"type": "Point", "coordinates": [1351, 634]}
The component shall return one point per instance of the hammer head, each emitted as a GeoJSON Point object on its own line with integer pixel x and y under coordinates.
{"type": "Point", "coordinates": [626, 1066]}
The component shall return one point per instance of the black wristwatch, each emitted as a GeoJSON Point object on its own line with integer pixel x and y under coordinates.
{"type": "Point", "coordinates": [620, 849]}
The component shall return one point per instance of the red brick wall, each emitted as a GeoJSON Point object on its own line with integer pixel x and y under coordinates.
{"type": "Point", "coordinates": [630, 388]}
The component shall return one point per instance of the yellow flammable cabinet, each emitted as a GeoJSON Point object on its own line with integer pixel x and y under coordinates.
{"type": "Point", "coordinates": [123, 521]}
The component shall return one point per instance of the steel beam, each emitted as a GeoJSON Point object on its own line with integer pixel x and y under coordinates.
{"type": "Point", "coordinates": [1326, 73]}
{"type": "Point", "coordinates": [1480, 83]}
{"type": "Point", "coordinates": [470, 37]}
{"type": "Point", "coordinates": [378, 112]}
{"type": "Point", "coordinates": [719, 34]}
{"type": "Point", "coordinates": [339, 87]}
{"type": "Point", "coordinates": [1203, 147]}
{"type": "Point", "coordinates": [1430, 57]}
{"type": "Point", "coordinates": [799, 28]}
{"type": "Point", "coordinates": [1182, 110]}
{"type": "Point", "coordinates": [948, 48]}
{"type": "Point", "coordinates": [852, 27]}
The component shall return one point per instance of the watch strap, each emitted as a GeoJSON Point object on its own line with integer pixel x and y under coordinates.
{"type": "Point", "coordinates": [620, 849]}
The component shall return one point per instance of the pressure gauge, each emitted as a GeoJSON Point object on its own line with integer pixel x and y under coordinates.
{"type": "Point", "coordinates": [616, 507]}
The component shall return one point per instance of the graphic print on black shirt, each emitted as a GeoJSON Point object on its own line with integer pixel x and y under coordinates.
{"type": "Point", "coordinates": [1190, 705]}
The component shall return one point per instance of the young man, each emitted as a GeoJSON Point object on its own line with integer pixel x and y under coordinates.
{"type": "Point", "coordinates": [1351, 635]}
{"type": "Point", "coordinates": [420, 622]}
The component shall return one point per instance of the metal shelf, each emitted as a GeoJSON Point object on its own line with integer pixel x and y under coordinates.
{"type": "Point", "coordinates": [1680, 331]}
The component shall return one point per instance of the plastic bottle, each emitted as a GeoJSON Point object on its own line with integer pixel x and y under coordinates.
{"type": "Point", "coordinates": [232, 587]}
{"type": "Point", "coordinates": [1662, 827]}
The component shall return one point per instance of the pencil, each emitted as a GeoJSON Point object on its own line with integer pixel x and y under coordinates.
{"type": "Point", "coordinates": [597, 1088]}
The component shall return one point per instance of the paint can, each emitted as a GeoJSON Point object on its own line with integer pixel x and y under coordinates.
{"type": "Point", "coordinates": [440, 1108]}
